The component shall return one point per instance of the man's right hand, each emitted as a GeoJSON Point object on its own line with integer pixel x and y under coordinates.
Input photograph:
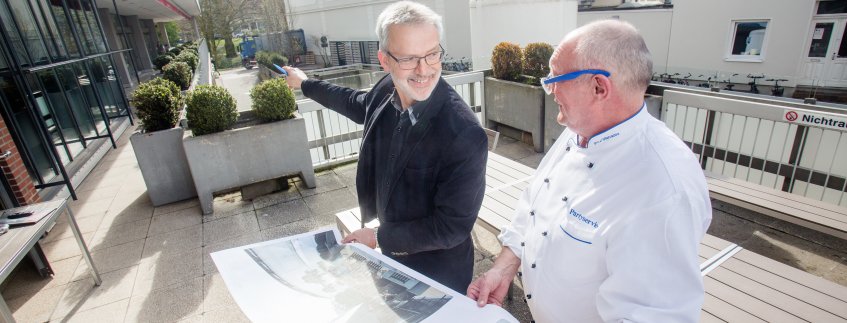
{"type": "Point", "coordinates": [295, 77]}
{"type": "Point", "coordinates": [492, 286]}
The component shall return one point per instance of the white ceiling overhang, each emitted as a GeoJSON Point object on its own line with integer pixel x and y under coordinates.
{"type": "Point", "coordinates": [158, 10]}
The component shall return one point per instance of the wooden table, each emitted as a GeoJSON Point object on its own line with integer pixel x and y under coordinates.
{"type": "Point", "coordinates": [16, 244]}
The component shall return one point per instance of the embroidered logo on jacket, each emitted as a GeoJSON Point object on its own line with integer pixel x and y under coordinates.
{"type": "Point", "coordinates": [579, 227]}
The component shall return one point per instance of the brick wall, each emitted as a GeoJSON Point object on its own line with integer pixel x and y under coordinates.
{"type": "Point", "coordinates": [13, 168]}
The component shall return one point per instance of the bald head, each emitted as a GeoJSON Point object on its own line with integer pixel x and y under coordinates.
{"type": "Point", "coordinates": [611, 45]}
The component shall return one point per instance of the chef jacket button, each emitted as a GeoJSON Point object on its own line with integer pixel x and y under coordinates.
{"type": "Point", "coordinates": [544, 233]}
{"type": "Point", "coordinates": [532, 212]}
{"type": "Point", "coordinates": [528, 296]}
{"type": "Point", "coordinates": [547, 180]}
{"type": "Point", "coordinates": [568, 148]}
{"type": "Point", "coordinates": [524, 300]}
{"type": "Point", "coordinates": [533, 265]}
{"type": "Point", "coordinates": [565, 199]}
{"type": "Point", "coordinates": [520, 274]}
{"type": "Point", "coordinates": [522, 243]}
{"type": "Point", "coordinates": [590, 165]}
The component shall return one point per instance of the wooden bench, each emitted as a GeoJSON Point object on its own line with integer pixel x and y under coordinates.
{"type": "Point", "coordinates": [820, 216]}
{"type": "Point", "coordinates": [749, 287]}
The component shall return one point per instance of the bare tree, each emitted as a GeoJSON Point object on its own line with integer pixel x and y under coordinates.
{"type": "Point", "coordinates": [219, 17]}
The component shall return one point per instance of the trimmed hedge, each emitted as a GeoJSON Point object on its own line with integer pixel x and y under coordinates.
{"type": "Point", "coordinates": [157, 103]}
{"type": "Point", "coordinates": [273, 100]}
{"type": "Point", "coordinates": [162, 60]}
{"type": "Point", "coordinates": [210, 109]}
{"type": "Point", "coordinates": [188, 57]}
{"type": "Point", "coordinates": [269, 58]}
{"type": "Point", "coordinates": [506, 61]}
{"type": "Point", "coordinates": [536, 60]}
{"type": "Point", "coordinates": [179, 73]}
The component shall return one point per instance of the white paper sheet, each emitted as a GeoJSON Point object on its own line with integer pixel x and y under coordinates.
{"type": "Point", "coordinates": [310, 277]}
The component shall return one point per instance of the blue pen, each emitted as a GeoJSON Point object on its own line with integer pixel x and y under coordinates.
{"type": "Point", "coordinates": [281, 70]}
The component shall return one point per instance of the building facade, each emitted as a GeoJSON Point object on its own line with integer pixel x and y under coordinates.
{"type": "Point", "coordinates": [65, 69]}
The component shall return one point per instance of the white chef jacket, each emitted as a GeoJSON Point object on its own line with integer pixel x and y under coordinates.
{"type": "Point", "coordinates": [610, 232]}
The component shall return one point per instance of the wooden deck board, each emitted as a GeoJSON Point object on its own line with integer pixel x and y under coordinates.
{"type": "Point", "coordinates": [813, 282]}
{"type": "Point", "coordinates": [782, 294]}
{"type": "Point", "coordinates": [726, 312]}
{"type": "Point", "coordinates": [753, 187]}
{"type": "Point", "coordinates": [747, 303]}
{"type": "Point", "coordinates": [796, 205]}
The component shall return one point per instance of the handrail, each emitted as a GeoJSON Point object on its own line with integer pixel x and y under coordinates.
{"type": "Point", "coordinates": [329, 130]}
{"type": "Point", "coordinates": [658, 88]}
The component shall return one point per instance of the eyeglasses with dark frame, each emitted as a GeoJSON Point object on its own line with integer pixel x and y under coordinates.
{"type": "Point", "coordinates": [410, 63]}
{"type": "Point", "coordinates": [547, 82]}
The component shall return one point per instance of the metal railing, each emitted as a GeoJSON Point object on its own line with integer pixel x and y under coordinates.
{"type": "Point", "coordinates": [788, 146]}
{"type": "Point", "coordinates": [335, 139]}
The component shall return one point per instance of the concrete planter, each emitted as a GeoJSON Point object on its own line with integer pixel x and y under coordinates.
{"type": "Point", "coordinates": [248, 154]}
{"type": "Point", "coordinates": [516, 105]}
{"type": "Point", "coordinates": [163, 165]}
{"type": "Point", "coordinates": [552, 128]}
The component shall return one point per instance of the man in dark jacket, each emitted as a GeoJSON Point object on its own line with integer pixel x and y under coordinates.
{"type": "Point", "coordinates": [422, 161]}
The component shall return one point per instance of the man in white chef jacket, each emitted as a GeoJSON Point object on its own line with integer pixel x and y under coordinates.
{"type": "Point", "coordinates": [608, 230]}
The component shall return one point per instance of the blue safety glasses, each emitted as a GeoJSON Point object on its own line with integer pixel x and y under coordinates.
{"type": "Point", "coordinates": [547, 82]}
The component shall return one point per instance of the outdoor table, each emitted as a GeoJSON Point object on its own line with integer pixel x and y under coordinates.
{"type": "Point", "coordinates": [16, 244]}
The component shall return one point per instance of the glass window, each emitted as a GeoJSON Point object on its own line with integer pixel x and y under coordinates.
{"type": "Point", "coordinates": [58, 11]}
{"type": "Point", "coordinates": [29, 31]}
{"type": "Point", "coordinates": [832, 7]}
{"type": "Point", "coordinates": [59, 85]}
{"type": "Point", "coordinates": [842, 48]}
{"type": "Point", "coordinates": [32, 148]}
{"type": "Point", "coordinates": [820, 39]}
{"type": "Point", "coordinates": [50, 30]}
{"type": "Point", "coordinates": [76, 11]}
{"type": "Point", "coordinates": [748, 40]}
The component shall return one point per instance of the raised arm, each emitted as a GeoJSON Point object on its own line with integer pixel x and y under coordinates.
{"type": "Point", "coordinates": [346, 101]}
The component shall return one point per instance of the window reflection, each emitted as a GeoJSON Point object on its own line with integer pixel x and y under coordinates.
{"type": "Point", "coordinates": [39, 163]}
{"type": "Point", "coordinates": [49, 29]}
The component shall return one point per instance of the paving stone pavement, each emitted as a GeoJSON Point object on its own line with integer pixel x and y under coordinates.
{"type": "Point", "coordinates": [156, 266]}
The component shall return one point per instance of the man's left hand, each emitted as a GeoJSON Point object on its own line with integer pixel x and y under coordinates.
{"type": "Point", "coordinates": [365, 236]}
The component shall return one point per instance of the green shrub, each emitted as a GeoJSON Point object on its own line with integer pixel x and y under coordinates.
{"type": "Point", "coordinates": [268, 59]}
{"type": "Point", "coordinates": [175, 51]}
{"type": "Point", "coordinates": [210, 109]}
{"type": "Point", "coordinates": [536, 60]}
{"type": "Point", "coordinates": [273, 100]}
{"type": "Point", "coordinates": [189, 58]}
{"type": "Point", "coordinates": [162, 60]}
{"type": "Point", "coordinates": [506, 61]}
{"type": "Point", "coordinates": [179, 73]}
{"type": "Point", "coordinates": [157, 103]}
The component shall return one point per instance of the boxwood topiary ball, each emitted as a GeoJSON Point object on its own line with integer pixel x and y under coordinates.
{"type": "Point", "coordinates": [210, 109]}
{"type": "Point", "coordinates": [157, 103]}
{"type": "Point", "coordinates": [273, 100]}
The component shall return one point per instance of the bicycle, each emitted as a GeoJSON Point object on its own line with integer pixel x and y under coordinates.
{"type": "Point", "coordinates": [685, 79]}
{"type": "Point", "coordinates": [777, 90]}
{"type": "Point", "coordinates": [729, 86]}
{"type": "Point", "coordinates": [753, 88]}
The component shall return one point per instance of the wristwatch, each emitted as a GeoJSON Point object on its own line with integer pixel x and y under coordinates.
{"type": "Point", "coordinates": [376, 238]}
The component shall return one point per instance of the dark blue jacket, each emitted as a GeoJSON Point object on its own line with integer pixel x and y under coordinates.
{"type": "Point", "coordinates": [439, 182]}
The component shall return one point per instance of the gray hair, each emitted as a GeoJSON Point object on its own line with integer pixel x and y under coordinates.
{"type": "Point", "coordinates": [405, 13]}
{"type": "Point", "coordinates": [617, 47]}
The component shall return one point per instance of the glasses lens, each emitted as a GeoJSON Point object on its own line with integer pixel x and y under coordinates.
{"type": "Point", "coordinates": [434, 58]}
{"type": "Point", "coordinates": [408, 63]}
{"type": "Point", "coordinates": [548, 88]}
